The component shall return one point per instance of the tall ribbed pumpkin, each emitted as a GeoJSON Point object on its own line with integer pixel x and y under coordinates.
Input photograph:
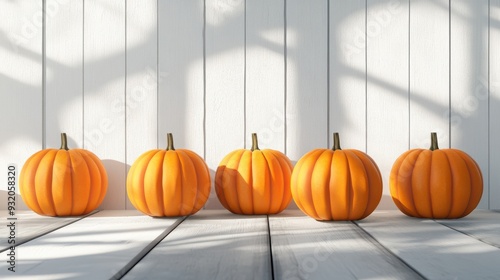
{"type": "Point", "coordinates": [168, 183]}
{"type": "Point", "coordinates": [336, 184]}
{"type": "Point", "coordinates": [436, 183]}
{"type": "Point", "coordinates": [63, 182]}
{"type": "Point", "coordinates": [254, 181]}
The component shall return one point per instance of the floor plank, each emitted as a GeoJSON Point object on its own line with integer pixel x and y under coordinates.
{"type": "Point", "coordinates": [210, 245]}
{"type": "Point", "coordinates": [30, 225]}
{"type": "Point", "coordinates": [96, 247]}
{"type": "Point", "coordinates": [434, 250]}
{"type": "Point", "coordinates": [304, 248]}
{"type": "Point", "coordinates": [483, 225]}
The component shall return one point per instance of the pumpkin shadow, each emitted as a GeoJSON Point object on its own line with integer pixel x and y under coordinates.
{"type": "Point", "coordinates": [386, 203]}
{"type": "Point", "coordinates": [116, 195]}
{"type": "Point", "coordinates": [3, 197]}
{"type": "Point", "coordinates": [213, 202]}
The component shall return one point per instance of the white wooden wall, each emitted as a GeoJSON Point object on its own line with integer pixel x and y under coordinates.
{"type": "Point", "coordinates": [117, 75]}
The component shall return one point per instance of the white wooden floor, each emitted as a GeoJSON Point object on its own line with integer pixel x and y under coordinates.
{"type": "Point", "coordinates": [216, 244]}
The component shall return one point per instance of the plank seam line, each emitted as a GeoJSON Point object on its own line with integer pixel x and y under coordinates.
{"type": "Point", "coordinates": [204, 34]}
{"type": "Point", "coordinates": [408, 105]}
{"type": "Point", "coordinates": [145, 251]}
{"type": "Point", "coordinates": [52, 230]}
{"type": "Point", "coordinates": [270, 247]}
{"type": "Point", "coordinates": [285, 79]}
{"type": "Point", "coordinates": [366, 75]}
{"type": "Point", "coordinates": [370, 238]}
{"type": "Point", "coordinates": [157, 75]}
{"type": "Point", "coordinates": [83, 74]}
{"type": "Point", "coordinates": [328, 82]}
{"type": "Point", "coordinates": [489, 104]}
{"type": "Point", "coordinates": [469, 235]}
{"type": "Point", "coordinates": [449, 73]}
{"type": "Point", "coordinates": [125, 85]}
{"type": "Point", "coordinates": [245, 74]}
{"type": "Point", "coordinates": [44, 74]}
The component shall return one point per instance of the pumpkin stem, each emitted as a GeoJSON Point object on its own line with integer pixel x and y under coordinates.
{"type": "Point", "coordinates": [434, 141]}
{"type": "Point", "coordinates": [255, 143]}
{"type": "Point", "coordinates": [170, 142]}
{"type": "Point", "coordinates": [336, 141]}
{"type": "Point", "coordinates": [64, 142]}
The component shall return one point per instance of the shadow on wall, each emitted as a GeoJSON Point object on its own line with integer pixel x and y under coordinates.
{"type": "Point", "coordinates": [71, 93]}
{"type": "Point", "coordinates": [213, 202]}
{"type": "Point", "coordinates": [179, 73]}
{"type": "Point", "coordinates": [3, 197]}
{"type": "Point", "coordinates": [116, 186]}
{"type": "Point", "coordinates": [386, 203]}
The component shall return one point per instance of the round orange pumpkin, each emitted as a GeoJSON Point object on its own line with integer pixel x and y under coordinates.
{"type": "Point", "coordinates": [63, 182]}
{"type": "Point", "coordinates": [336, 184]}
{"type": "Point", "coordinates": [254, 181]}
{"type": "Point", "coordinates": [168, 183]}
{"type": "Point", "coordinates": [436, 183]}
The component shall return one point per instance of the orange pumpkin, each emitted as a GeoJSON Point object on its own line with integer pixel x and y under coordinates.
{"type": "Point", "coordinates": [254, 181]}
{"type": "Point", "coordinates": [436, 183]}
{"type": "Point", "coordinates": [63, 182]}
{"type": "Point", "coordinates": [336, 184]}
{"type": "Point", "coordinates": [168, 183]}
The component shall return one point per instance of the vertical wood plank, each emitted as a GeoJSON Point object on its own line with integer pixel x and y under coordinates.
{"type": "Point", "coordinates": [104, 92]}
{"type": "Point", "coordinates": [387, 86]}
{"type": "Point", "coordinates": [429, 72]}
{"type": "Point", "coordinates": [494, 82]}
{"type": "Point", "coordinates": [469, 90]}
{"type": "Point", "coordinates": [181, 92]}
{"type": "Point", "coordinates": [20, 86]}
{"type": "Point", "coordinates": [307, 78]}
{"type": "Point", "coordinates": [348, 72]}
{"type": "Point", "coordinates": [141, 78]}
{"type": "Point", "coordinates": [224, 92]}
{"type": "Point", "coordinates": [265, 73]}
{"type": "Point", "coordinates": [64, 66]}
